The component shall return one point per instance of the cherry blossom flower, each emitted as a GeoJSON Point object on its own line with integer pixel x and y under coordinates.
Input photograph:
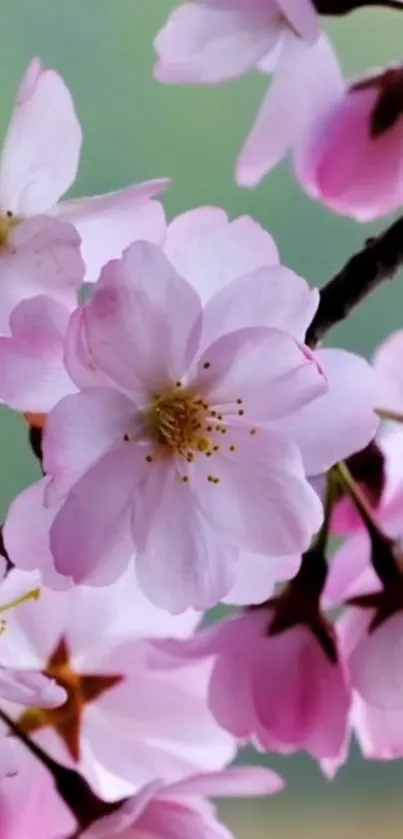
{"type": "Point", "coordinates": [292, 690]}
{"type": "Point", "coordinates": [174, 424]}
{"type": "Point", "coordinates": [126, 719]}
{"type": "Point", "coordinates": [177, 811]}
{"type": "Point", "coordinates": [39, 163]}
{"type": "Point", "coordinates": [351, 159]}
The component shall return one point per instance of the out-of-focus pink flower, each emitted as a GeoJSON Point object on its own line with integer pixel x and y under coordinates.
{"type": "Point", "coordinates": [39, 163]}
{"type": "Point", "coordinates": [126, 720]}
{"type": "Point", "coordinates": [214, 41]}
{"type": "Point", "coordinates": [290, 694]}
{"type": "Point", "coordinates": [177, 811]}
{"type": "Point", "coordinates": [352, 156]}
{"type": "Point", "coordinates": [181, 433]}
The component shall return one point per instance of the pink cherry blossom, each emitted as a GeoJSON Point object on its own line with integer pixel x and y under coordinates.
{"type": "Point", "coordinates": [132, 434]}
{"type": "Point", "coordinates": [214, 41]}
{"type": "Point", "coordinates": [352, 157]}
{"type": "Point", "coordinates": [289, 694]}
{"type": "Point", "coordinates": [127, 720]}
{"type": "Point", "coordinates": [39, 163]}
{"type": "Point", "coordinates": [177, 811]}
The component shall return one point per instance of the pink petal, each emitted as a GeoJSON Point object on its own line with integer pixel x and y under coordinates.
{"type": "Point", "coordinates": [181, 561]}
{"type": "Point", "coordinates": [350, 571]}
{"type": "Point", "coordinates": [388, 368]}
{"type": "Point", "coordinates": [375, 665]}
{"type": "Point", "coordinates": [43, 258]}
{"type": "Point", "coordinates": [344, 418]}
{"type": "Point", "coordinates": [272, 296]}
{"type": "Point", "coordinates": [32, 373]}
{"type": "Point", "coordinates": [210, 250]}
{"type": "Point", "coordinates": [302, 17]}
{"type": "Point", "coordinates": [26, 534]}
{"type": "Point", "coordinates": [257, 576]}
{"type": "Point", "coordinates": [139, 321]}
{"type": "Point", "coordinates": [178, 820]}
{"type": "Point", "coordinates": [302, 89]}
{"type": "Point", "coordinates": [212, 43]}
{"type": "Point", "coordinates": [267, 369]}
{"type": "Point", "coordinates": [90, 537]}
{"type": "Point", "coordinates": [82, 428]}
{"type": "Point", "coordinates": [42, 147]}
{"type": "Point", "coordinates": [30, 688]}
{"type": "Point", "coordinates": [262, 502]}
{"type": "Point", "coordinates": [109, 223]}
{"type": "Point", "coordinates": [378, 731]}
{"type": "Point", "coordinates": [234, 782]}
{"type": "Point", "coordinates": [77, 356]}
{"type": "Point", "coordinates": [302, 699]}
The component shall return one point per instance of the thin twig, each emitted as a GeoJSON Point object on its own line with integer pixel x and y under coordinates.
{"type": "Point", "coordinates": [378, 261]}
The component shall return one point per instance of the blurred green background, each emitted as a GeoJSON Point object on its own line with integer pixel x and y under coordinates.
{"type": "Point", "coordinates": [135, 128]}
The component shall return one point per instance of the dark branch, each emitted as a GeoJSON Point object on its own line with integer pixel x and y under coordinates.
{"type": "Point", "coordinates": [343, 7]}
{"type": "Point", "coordinates": [378, 261]}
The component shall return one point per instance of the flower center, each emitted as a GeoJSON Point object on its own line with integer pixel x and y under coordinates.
{"type": "Point", "coordinates": [81, 689]}
{"type": "Point", "coordinates": [8, 222]}
{"type": "Point", "coordinates": [176, 422]}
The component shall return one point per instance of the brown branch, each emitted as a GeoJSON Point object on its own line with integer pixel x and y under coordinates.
{"type": "Point", "coordinates": [378, 261]}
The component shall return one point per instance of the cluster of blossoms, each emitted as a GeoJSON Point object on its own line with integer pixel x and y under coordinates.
{"type": "Point", "coordinates": [197, 447]}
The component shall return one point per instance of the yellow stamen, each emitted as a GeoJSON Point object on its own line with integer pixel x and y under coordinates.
{"type": "Point", "coordinates": [30, 595]}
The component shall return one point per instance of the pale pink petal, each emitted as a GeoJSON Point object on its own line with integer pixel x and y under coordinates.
{"type": "Point", "coordinates": [43, 257]}
{"type": "Point", "coordinates": [266, 368]}
{"type": "Point", "coordinates": [90, 537]}
{"type": "Point", "coordinates": [77, 356]}
{"type": "Point", "coordinates": [140, 319]}
{"type": "Point", "coordinates": [378, 731]}
{"type": "Point", "coordinates": [350, 571]}
{"type": "Point", "coordinates": [210, 250]}
{"type": "Point", "coordinates": [109, 223]}
{"type": "Point", "coordinates": [303, 89]}
{"type": "Point", "coordinates": [272, 296]}
{"type": "Point", "coordinates": [42, 147]}
{"type": "Point", "coordinates": [30, 688]}
{"type": "Point", "coordinates": [262, 502]}
{"type": "Point", "coordinates": [344, 418]}
{"type": "Point", "coordinates": [170, 819]}
{"type": "Point", "coordinates": [302, 17]}
{"type": "Point", "coordinates": [33, 376]}
{"type": "Point", "coordinates": [207, 44]}
{"type": "Point", "coordinates": [236, 781]}
{"type": "Point", "coordinates": [375, 665]}
{"type": "Point", "coordinates": [26, 534]}
{"type": "Point", "coordinates": [82, 428]}
{"type": "Point", "coordinates": [257, 576]}
{"type": "Point", "coordinates": [387, 362]}
{"type": "Point", "coordinates": [180, 560]}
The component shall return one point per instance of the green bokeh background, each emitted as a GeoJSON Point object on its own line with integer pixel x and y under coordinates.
{"type": "Point", "coordinates": [135, 128]}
